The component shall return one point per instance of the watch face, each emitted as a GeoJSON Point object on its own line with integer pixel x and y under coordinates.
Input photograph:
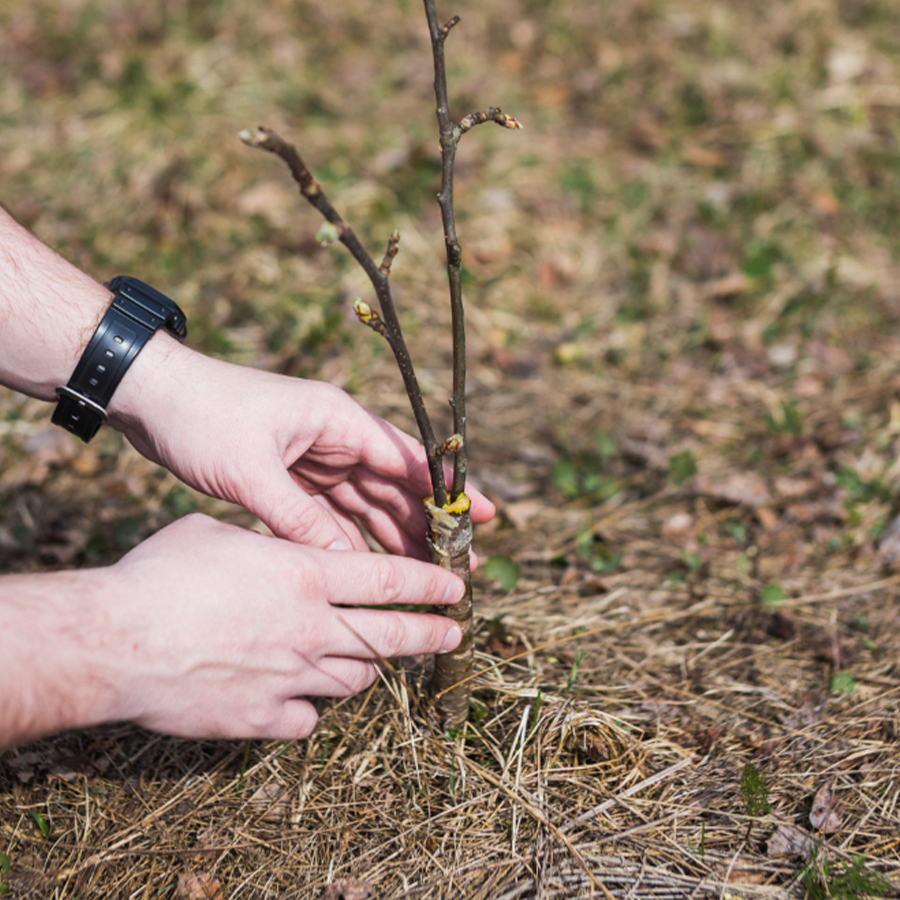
{"type": "Point", "coordinates": [148, 306]}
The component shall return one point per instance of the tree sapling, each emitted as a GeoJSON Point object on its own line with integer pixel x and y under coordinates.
{"type": "Point", "coordinates": [449, 524]}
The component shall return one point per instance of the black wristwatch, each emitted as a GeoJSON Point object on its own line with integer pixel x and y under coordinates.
{"type": "Point", "coordinates": [137, 312]}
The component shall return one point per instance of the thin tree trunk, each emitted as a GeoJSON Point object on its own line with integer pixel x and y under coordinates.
{"type": "Point", "coordinates": [450, 540]}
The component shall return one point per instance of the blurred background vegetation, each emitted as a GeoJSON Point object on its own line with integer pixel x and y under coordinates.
{"type": "Point", "coordinates": [705, 194]}
{"type": "Point", "coordinates": [683, 291]}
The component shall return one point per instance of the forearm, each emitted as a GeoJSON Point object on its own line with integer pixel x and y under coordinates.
{"type": "Point", "coordinates": [48, 311]}
{"type": "Point", "coordinates": [56, 653]}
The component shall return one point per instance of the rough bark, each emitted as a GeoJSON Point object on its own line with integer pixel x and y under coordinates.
{"type": "Point", "coordinates": [450, 540]}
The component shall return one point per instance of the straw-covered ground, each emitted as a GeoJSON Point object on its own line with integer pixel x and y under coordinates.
{"type": "Point", "coordinates": [682, 284]}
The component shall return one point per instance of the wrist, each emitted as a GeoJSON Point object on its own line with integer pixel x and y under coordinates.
{"type": "Point", "coordinates": [58, 667]}
{"type": "Point", "coordinates": [134, 317]}
{"type": "Point", "coordinates": [153, 385]}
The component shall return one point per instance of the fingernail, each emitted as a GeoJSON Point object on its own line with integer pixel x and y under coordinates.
{"type": "Point", "coordinates": [339, 544]}
{"type": "Point", "coordinates": [454, 592]}
{"type": "Point", "coordinates": [451, 640]}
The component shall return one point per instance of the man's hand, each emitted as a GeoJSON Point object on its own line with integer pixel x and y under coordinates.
{"type": "Point", "coordinates": [301, 455]}
{"type": "Point", "coordinates": [207, 630]}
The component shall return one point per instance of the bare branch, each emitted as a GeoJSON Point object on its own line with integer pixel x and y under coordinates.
{"type": "Point", "coordinates": [265, 139]}
{"type": "Point", "coordinates": [449, 142]}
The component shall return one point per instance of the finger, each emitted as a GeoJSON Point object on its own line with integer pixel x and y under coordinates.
{"type": "Point", "coordinates": [392, 517]}
{"type": "Point", "coordinates": [347, 523]}
{"type": "Point", "coordinates": [370, 634]}
{"type": "Point", "coordinates": [405, 538]}
{"type": "Point", "coordinates": [292, 514]}
{"type": "Point", "coordinates": [372, 579]}
{"type": "Point", "coordinates": [236, 719]}
{"type": "Point", "coordinates": [393, 454]}
{"type": "Point", "coordinates": [482, 510]}
{"type": "Point", "coordinates": [338, 676]}
{"type": "Point", "coordinates": [296, 721]}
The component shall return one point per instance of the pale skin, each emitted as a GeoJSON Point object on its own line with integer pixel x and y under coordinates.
{"type": "Point", "coordinates": [207, 630]}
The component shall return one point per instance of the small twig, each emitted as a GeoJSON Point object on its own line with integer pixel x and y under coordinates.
{"type": "Point", "coordinates": [630, 792]}
{"type": "Point", "coordinates": [493, 114]}
{"type": "Point", "coordinates": [443, 32]}
{"type": "Point", "coordinates": [392, 248]}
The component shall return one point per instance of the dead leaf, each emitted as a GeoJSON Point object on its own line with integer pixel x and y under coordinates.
{"type": "Point", "coordinates": [593, 584]}
{"type": "Point", "coordinates": [767, 518]}
{"type": "Point", "coordinates": [521, 512]}
{"type": "Point", "coordinates": [782, 627]}
{"type": "Point", "coordinates": [795, 488]}
{"type": "Point", "coordinates": [787, 840]}
{"type": "Point", "coordinates": [511, 62]}
{"type": "Point", "coordinates": [826, 811]}
{"type": "Point", "coordinates": [267, 198]}
{"type": "Point", "coordinates": [741, 872]}
{"type": "Point", "coordinates": [703, 157]}
{"type": "Point", "coordinates": [270, 799]}
{"type": "Point", "coordinates": [198, 886]}
{"type": "Point", "coordinates": [552, 95]}
{"type": "Point", "coordinates": [348, 889]}
{"type": "Point", "coordinates": [833, 650]}
{"type": "Point", "coordinates": [502, 642]}
{"type": "Point", "coordinates": [645, 134]}
{"type": "Point", "coordinates": [679, 529]}
{"type": "Point", "coordinates": [826, 204]}
{"type": "Point", "coordinates": [745, 488]}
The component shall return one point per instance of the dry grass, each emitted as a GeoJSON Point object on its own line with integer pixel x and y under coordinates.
{"type": "Point", "coordinates": [690, 252]}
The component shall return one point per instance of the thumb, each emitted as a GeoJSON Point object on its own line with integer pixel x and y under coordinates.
{"type": "Point", "coordinates": [292, 514]}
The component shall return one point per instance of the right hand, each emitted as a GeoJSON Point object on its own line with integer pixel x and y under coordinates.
{"type": "Point", "coordinates": [222, 632]}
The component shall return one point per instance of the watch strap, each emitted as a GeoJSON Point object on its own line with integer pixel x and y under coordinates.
{"type": "Point", "coordinates": [136, 314]}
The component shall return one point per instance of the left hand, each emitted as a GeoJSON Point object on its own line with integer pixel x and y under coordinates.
{"type": "Point", "coordinates": [301, 455]}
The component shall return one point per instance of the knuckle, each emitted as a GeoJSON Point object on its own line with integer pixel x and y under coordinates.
{"type": "Point", "coordinates": [388, 582]}
{"type": "Point", "coordinates": [300, 525]}
{"type": "Point", "coordinates": [258, 719]}
{"type": "Point", "coordinates": [394, 634]}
